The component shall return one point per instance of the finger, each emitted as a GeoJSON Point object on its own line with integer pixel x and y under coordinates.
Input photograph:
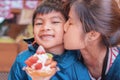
{"type": "Point", "coordinates": [54, 70]}
{"type": "Point", "coordinates": [53, 64]}
{"type": "Point", "coordinates": [28, 71]}
{"type": "Point", "coordinates": [48, 62]}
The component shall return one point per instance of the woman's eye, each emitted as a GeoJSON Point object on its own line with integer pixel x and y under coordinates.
{"type": "Point", "coordinates": [55, 22]}
{"type": "Point", "coordinates": [70, 23]}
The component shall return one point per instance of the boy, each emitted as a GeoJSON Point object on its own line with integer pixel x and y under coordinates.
{"type": "Point", "coordinates": [48, 21]}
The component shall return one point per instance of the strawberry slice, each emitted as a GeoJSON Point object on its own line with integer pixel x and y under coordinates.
{"type": "Point", "coordinates": [28, 63]}
{"type": "Point", "coordinates": [33, 59]}
{"type": "Point", "coordinates": [40, 50]}
{"type": "Point", "coordinates": [38, 66]}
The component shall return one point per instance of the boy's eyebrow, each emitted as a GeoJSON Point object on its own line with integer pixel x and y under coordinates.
{"type": "Point", "coordinates": [52, 18]}
{"type": "Point", "coordinates": [38, 18]}
{"type": "Point", "coordinates": [58, 17]}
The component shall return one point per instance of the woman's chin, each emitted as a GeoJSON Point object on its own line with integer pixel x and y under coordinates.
{"type": "Point", "coordinates": [70, 48]}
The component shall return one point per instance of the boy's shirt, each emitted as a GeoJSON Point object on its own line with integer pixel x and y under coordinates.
{"type": "Point", "coordinates": [70, 66]}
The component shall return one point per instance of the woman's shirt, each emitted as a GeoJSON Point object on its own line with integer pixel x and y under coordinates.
{"type": "Point", "coordinates": [113, 54]}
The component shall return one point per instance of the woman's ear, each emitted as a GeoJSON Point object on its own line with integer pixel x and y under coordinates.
{"type": "Point", "coordinates": [93, 35]}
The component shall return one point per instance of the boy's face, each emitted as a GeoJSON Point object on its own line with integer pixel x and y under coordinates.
{"type": "Point", "coordinates": [48, 31]}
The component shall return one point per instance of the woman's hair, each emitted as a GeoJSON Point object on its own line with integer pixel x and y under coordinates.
{"type": "Point", "coordinates": [115, 23]}
{"type": "Point", "coordinates": [100, 16]}
{"type": "Point", "coordinates": [48, 6]}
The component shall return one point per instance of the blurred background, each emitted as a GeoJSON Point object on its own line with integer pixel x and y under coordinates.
{"type": "Point", "coordinates": [15, 25]}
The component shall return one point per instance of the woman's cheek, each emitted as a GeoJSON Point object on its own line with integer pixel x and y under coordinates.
{"type": "Point", "coordinates": [66, 26]}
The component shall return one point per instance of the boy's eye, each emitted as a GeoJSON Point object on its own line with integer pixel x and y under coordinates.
{"type": "Point", "coordinates": [38, 23]}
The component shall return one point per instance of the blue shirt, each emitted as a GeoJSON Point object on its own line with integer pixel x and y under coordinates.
{"type": "Point", "coordinates": [70, 66]}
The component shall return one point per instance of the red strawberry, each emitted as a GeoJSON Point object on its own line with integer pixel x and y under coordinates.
{"type": "Point", "coordinates": [33, 59]}
{"type": "Point", "coordinates": [38, 66]}
{"type": "Point", "coordinates": [40, 50]}
{"type": "Point", "coordinates": [28, 63]}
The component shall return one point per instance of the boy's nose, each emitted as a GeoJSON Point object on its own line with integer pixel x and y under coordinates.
{"type": "Point", "coordinates": [46, 27]}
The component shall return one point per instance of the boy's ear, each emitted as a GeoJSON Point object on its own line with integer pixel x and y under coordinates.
{"type": "Point", "coordinates": [93, 35]}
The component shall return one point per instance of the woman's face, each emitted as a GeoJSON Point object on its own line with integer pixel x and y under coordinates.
{"type": "Point", "coordinates": [74, 37]}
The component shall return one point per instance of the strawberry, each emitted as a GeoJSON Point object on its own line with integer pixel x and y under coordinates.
{"type": "Point", "coordinates": [28, 63]}
{"type": "Point", "coordinates": [38, 66]}
{"type": "Point", "coordinates": [33, 59]}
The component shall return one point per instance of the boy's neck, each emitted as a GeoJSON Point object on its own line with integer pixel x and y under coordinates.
{"type": "Point", "coordinates": [58, 50]}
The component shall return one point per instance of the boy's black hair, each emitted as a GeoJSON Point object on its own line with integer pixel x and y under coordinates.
{"type": "Point", "coordinates": [48, 6]}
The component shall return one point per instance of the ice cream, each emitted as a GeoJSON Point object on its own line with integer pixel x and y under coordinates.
{"type": "Point", "coordinates": [36, 63]}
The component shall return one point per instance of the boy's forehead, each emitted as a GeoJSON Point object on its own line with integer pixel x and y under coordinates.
{"type": "Point", "coordinates": [53, 14]}
{"type": "Point", "coordinates": [49, 12]}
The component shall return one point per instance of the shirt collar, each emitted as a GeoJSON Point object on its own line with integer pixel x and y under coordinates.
{"type": "Point", "coordinates": [66, 59]}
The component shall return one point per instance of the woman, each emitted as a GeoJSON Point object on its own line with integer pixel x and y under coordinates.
{"type": "Point", "coordinates": [94, 29]}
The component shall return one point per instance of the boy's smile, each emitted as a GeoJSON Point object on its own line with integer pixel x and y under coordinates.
{"type": "Point", "coordinates": [47, 37]}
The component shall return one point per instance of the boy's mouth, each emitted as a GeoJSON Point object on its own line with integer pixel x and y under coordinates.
{"type": "Point", "coordinates": [47, 37]}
